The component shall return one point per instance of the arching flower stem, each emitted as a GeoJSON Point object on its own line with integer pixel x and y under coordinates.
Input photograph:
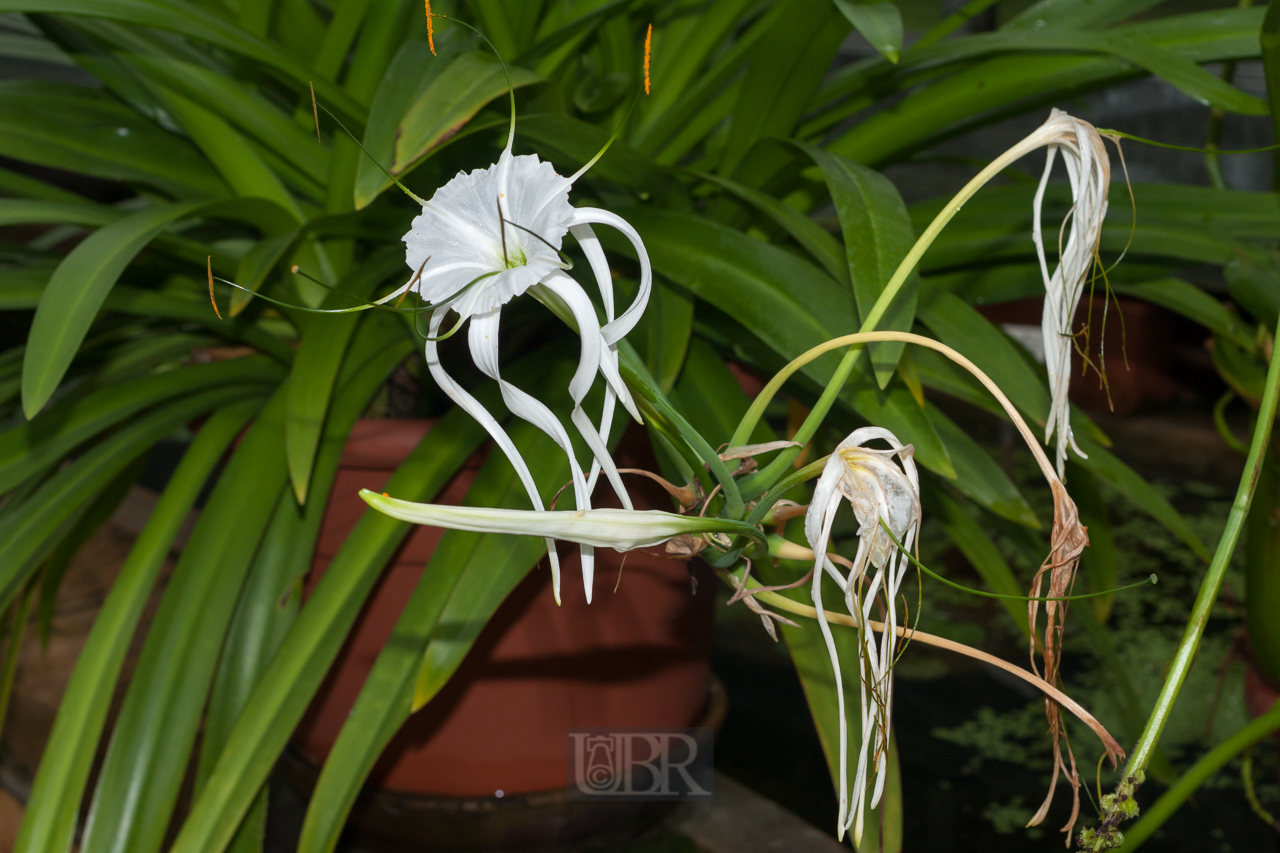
{"type": "Point", "coordinates": [790, 605]}
{"type": "Point", "coordinates": [1046, 134]}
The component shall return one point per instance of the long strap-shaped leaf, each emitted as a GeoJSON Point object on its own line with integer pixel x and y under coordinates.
{"type": "Point", "coordinates": [28, 448]}
{"type": "Point", "coordinates": [298, 668]}
{"type": "Point", "coordinates": [495, 564]}
{"type": "Point", "coordinates": [193, 20]}
{"type": "Point", "coordinates": [139, 782]}
{"type": "Point", "coordinates": [32, 529]}
{"type": "Point", "coordinates": [261, 620]}
{"type": "Point", "coordinates": [54, 806]}
{"type": "Point", "coordinates": [82, 281]}
{"type": "Point", "coordinates": [316, 365]}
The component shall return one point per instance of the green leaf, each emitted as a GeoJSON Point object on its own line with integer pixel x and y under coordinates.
{"type": "Point", "coordinates": [510, 24]}
{"type": "Point", "coordinates": [1104, 465]}
{"type": "Point", "coordinates": [28, 448]}
{"type": "Point", "coordinates": [243, 107]}
{"type": "Point", "coordinates": [451, 99]}
{"type": "Point", "coordinates": [877, 236]}
{"type": "Point", "coordinates": [562, 138]}
{"type": "Point", "coordinates": [348, 15]}
{"type": "Point", "coordinates": [286, 688]}
{"type": "Point", "coordinates": [1189, 78]}
{"type": "Point", "coordinates": [79, 130]}
{"type": "Point", "coordinates": [990, 88]}
{"type": "Point", "coordinates": [662, 122]}
{"type": "Point", "coordinates": [315, 368]}
{"type": "Point", "coordinates": [710, 397]}
{"type": "Point", "coordinates": [21, 185]}
{"type": "Point", "coordinates": [229, 152]}
{"type": "Point", "coordinates": [879, 23]}
{"type": "Point", "coordinates": [80, 285]}
{"type": "Point", "coordinates": [20, 211]}
{"type": "Point", "coordinates": [1253, 285]}
{"type": "Point", "coordinates": [1193, 303]}
{"type": "Point", "coordinates": [191, 20]}
{"type": "Point", "coordinates": [962, 328]}
{"type": "Point", "coordinates": [813, 237]}
{"type": "Point", "coordinates": [53, 808]}
{"type": "Point", "coordinates": [1269, 43]}
{"type": "Point", "coordinates": [257, 264]}
{"type": "Point", "coordinates": [683, 47]}
{"type": "Point", "coordinates": [978, 476]}
{"type": "Point", "coordinates": [96, 515]}
{"type": "Point", "coordinates": [786, 67]}
{"type": "Point", "coordinates": [787, 303]}
{"type": "Point", "coordinates": [262, 619]}
{"type": "Point", "coordinates": [664, 333]}
{"type": "Point", "coordinates": [32, 529]}
{"type": "Point", "coordinates": [384, 702]}
{"type": "Point", "coordinates": [966, 533]}
{"type": "Point", "coordinates": [1071, 15]}
{"type": "Point", "coordinates": [140, 778]}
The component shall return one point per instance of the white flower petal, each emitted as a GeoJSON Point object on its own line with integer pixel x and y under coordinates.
{"type": "Point", "coordinates": [618, 329]}
{"type": "Point", "coordinates": [483, 338]}
{"type": "Point", "coordinates": [588, 327]}
{"type": "Point", "coordinates": [472, 406]}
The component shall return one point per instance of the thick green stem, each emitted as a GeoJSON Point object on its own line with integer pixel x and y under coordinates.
{"type": "Point", "coordinates": [1262, 571]}
{"type": "Point", "coordinates": [1199, 773]}
{"type": "Point", "coordinates": [765, 478]}
{"type": "Point", "coordinates": [1212, 583]}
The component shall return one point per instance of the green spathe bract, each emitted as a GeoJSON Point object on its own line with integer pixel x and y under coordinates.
{"type": "Point", "coordinates": [619, 529]}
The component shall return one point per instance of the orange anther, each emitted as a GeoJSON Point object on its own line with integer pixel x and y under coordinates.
{"type": "Point", "coordinates": [431, 33]}
{"type": "Point", "coordinates": [213, 301]}
{"type": "Point", "coordinates": [648, 54]}
{"type": "Point", "coordinates": [384, 494]}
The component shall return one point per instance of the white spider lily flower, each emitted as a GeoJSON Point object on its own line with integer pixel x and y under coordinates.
{"type": "Point", "coordinates": [877, 488]}
{"type": "Point", "coordinates": [619, 529]}
{"type": "Point", "coordinates": [1089, 173]}
{"type": "Point", "coordinates": [487, 237]}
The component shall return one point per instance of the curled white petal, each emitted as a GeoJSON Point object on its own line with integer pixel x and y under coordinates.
{"type": "Point", "coordinates": [878, 489]}
{"type": "Point", "coordinates": [473, 407]}
{"type": "Point", "coordinates": [1089, 174]}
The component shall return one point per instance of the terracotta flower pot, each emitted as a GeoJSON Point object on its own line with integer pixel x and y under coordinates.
{"type": "Point", "coordinates": [637, 657]}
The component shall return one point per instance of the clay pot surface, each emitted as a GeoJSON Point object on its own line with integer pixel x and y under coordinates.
{"type": "Point", "coordinates": [1259, 696]}
{"type": "Point", "coordinates": [637, 657]}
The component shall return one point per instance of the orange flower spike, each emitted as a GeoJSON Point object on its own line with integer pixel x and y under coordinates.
{"type": "Point", "coordinates": [431, 31]}
{"type": "Point", "coordinates": [648, 55]}
{"type": "Point", "coordinates": [213, 301]}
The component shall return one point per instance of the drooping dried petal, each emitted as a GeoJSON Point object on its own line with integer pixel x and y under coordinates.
{"type": "Point", "coordinates": [1068, 542]}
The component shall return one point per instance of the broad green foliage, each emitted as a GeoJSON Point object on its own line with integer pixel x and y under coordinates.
{"type": "Point", "coordinates": [203, 126]}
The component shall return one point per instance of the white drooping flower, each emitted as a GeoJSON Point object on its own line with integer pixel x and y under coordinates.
{"type": "Point", "coordinates": [491, 235]}
{"type": "Point", "coordinates": [877, 488]}
{"type": "Point", "coordinates": [1089, 173]}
